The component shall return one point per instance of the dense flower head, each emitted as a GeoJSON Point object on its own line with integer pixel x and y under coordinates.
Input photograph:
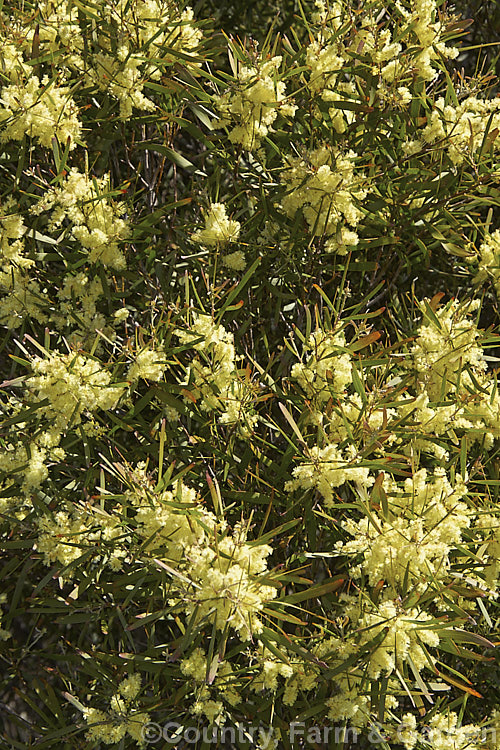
{"type": "Point", "coordinates": [325, 185]}
{"type": "Point", "coordinates": [406, 633]}
{"type": "Point", "coordinates": [218, 385]}
{"type": "Point", "coordinates": [230, 587]}
{"type": "Point", "coordinates": [20, 294]}
{"type": "Point", "coordinates": [252, 106]}
{"type": "Point", "coordinates": [57, 32]}
{"type": "Point", "coordinates": [40, 110]}
{"type": "Point", "coordinates": [95, 221]}
{"type": "Point", "coordinates": [328, 468]}
{"type": "Point", "coordinates": [446, 343]}
{"type": "Point", "coordinates": [12, 231]}
{"type": "Point", "coordinates": [149, 364]}
{"type": "Point", "coordinates": [463, 127]}
{"type": "Point", "coordinates": [122, 717]}
{"type": "Point", "coordinates": [489, 260]}
{"type": "Point", "coordinates": [416, 542]}
{"type": "Point", "coordinates": [72, 384]}
{"type": "Point", "coordinates": [327, 369]}
{"type": "Point", "coordinates": [219, 230]}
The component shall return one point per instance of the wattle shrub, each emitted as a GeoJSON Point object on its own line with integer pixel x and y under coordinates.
{"type": "Point", "coordinates": [249, 460]}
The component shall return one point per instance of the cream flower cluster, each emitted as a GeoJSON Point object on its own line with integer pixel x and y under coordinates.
{"type": "Point", "coordinates": [12, 231]}
{"type": "Point", "coordinates": [326, 187]}
{"type": "Point", "coordinates": [252, 105]}
{"type": "Point", "coordinates": [41, 110]}
{"type": "Point", "coordinates": [218, 572]}
{"type": "Point", "coordinates": [402, 639]}
{"type": "Point", "coordinates": [64, 537]}
{"type": "Point", "coordinates": [463, 127]}
{"type": "Point", "coordinates": [401, 642]}
{"type": "Point", "coordinates": [72, 531]}
{"type": "Point", "coordinates": [445, 731]}
{"type": "Point", "coordinates": [325, 56]}
{"type": "Point", "coordinates": [217, 383]}
{"type": "Point", "coordinates": [29, 463]}
{"type": "Point", "coordinates": [218, 232]}
{"type": "Point", "coordinates": [442, 732]}
{"type": "Point", "coordinates": [328, 369]}
{"type": "Point", "coordinates": [331, 51]}
{"type": "Point", "coordinates": [78, 307]}
{"type": "Point", "coordinates": [158, 518]}
{"type": "Point", "coordinates": [95, 219]}
{"type": "Point", "coordinates": [350, 704]}
{"type": "Point", "coordinates": [297, 673]}
{"type": "Point", "coordinates": [122, 717]}
{"type": "Point", "coordinates": [195, 667]}
{"type": "Point", "coordinates": [131, 38]}
{"type": "Point", "coordinates": [489, 260]}
{"type": "Point", "coordinates": [449, 363]}
{"type": "Point", "coordinates": [72, 384]}
{"type": "Point", "coordinates": [226, 579]}
{"type": "Point", "coordinates": [326, 468]}
{"type": "Point", "coordinates": [20, 295]}
{"type": "Point", "coordinates": [21, 298]}
{"type": "Point", "coordinates": [325, 375]}
{"type": "Point", "coordinates": [422, 19]}
{"type": "Point", "coordinates": [97, 224]}
{"type": "Point", "coordinates": [446, 343]}
{"type": "Point", "coordinates": [338, 40]}
{"type": "Point", "coordinates": [413, 545]}
{"type": "Point", "coordinates": [405, 638]}
{"type": "Point", "coordinates": [490, 526]}
{"type": "Point", "coordinates": [137, 54]}
{"type": "Point", "coordinates": [350, 701]}
{"type": "Point", "coordinates": [57, 31]}
{"type": "Point", "coordinates": [149, 364]}
{"type": "Point", "coordinates": [410, 532]}
{"type": "Point", "coordinates": [124, 80]}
